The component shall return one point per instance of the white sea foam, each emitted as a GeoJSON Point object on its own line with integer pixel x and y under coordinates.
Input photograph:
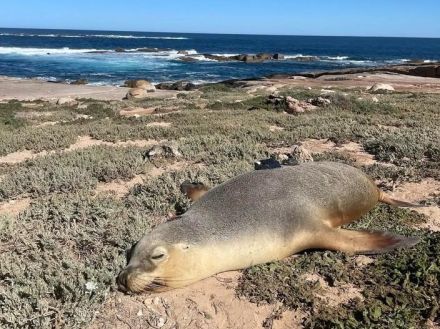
{"type": "Point", "coordinates": [110, 36]}
{"type": "Point", "coordinates": [42, 51]}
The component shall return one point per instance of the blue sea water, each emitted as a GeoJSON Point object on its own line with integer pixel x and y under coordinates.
{"type": "Point", "coordinates": [70, 55]}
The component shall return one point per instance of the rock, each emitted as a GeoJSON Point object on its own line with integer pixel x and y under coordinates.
{"type": "Point", "coordinates": [381, 88]}
{"type": "Point", "coordinates": [66, 101]}
{"type": "Point", "coordinates": [295, 106]}
{"type": "Point", "coordinates": [305, 58]}
{"type": "Point", "coordinates": [120, 50]}
{"type": "Point", "coordinates": [151, 50]}
{"type": "Point", "coordinates": [179, 85]}
{"type": "Point", "coordinates": [140, 84]}
{"type": "Point", "coordinates": [319, 101]}
{"type": "Point", "coordinates": [278, 57]}
{"type": "Point", "coordinates": [79, 82]}
{"type": "Point", "coordinates": [375, 99]}
{"type": "Point", "coordinates": [251, 59]}
{"type": "Point", "coordinates": [264, 57]}
{"type": "Point", "coordinates": [165, 150]}
{"type": "Point", "coordinates": [187, 59]}
{"type": "Point", "coordinates": [220, 58]}
{"type": "Point", "coordinates": [183, 52]}
{"type": "Point", "coordinates": [427, 71]}
{"type": "Point", "coordinates": [136, 93]}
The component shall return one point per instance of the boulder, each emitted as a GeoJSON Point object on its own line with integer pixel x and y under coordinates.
{"type": "Point", "coordinates": [141, 84]}
{"type": "Point", "coordinates": [381, 88]}
{"type": "Point", "coordinates": [183, 52]}
{"type": "Point", "coordinates": [69, 101]}
{"type": "Point", "coordinates": [278, 57]}
{"type": "Point", "coordinates": [120, 50]}
{"type": "Point", "coordinates": [136, 93]}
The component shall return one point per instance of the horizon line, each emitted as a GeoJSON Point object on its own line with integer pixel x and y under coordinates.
{"type": "Point", "coordinates": [218, 33]}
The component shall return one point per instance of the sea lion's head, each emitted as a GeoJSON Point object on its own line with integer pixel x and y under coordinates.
{"type": "Point", "coordinates": [157, 264]}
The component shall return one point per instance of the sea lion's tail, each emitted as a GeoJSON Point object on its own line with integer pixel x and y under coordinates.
{"type": "Point", "coordinates": [385, 198]}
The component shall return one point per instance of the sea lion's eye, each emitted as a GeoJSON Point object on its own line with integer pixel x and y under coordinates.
{"type": "Point", "coordinates": [157, 257]}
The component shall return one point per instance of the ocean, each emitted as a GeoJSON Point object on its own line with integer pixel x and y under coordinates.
{"type": "Point", "coordinates": [68, 55]}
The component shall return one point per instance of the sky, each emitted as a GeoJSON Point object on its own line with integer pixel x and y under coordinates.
{"type": "Point", "coordinates": [281, 17]}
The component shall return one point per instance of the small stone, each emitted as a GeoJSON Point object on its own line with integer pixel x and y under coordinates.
{"type": "Point", "coordinates": [139, 313]}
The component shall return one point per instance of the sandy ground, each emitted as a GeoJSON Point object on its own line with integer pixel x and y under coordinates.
{"type": "Point", "coordinates": [32, 89]}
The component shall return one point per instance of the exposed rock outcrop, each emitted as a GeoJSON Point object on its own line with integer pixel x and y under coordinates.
{"type": "Point", "coordinates": [140, 84]}
{"type": "Point", "coordinates": [179, 85]}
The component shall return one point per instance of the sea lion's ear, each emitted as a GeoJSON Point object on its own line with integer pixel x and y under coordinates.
{"type": "Point", "coordinates": [182, 246]}
{"type": "Point", "coordinates": [193, 191]}
{"type": "Point", "coordinates": [158, 255]}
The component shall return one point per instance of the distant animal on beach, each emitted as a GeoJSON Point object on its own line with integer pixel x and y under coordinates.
{"type": "Point", "coordinates": [259, 217]}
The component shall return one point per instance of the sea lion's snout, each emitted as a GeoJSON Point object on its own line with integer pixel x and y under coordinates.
{"type": "Point", "coordinates": [144, 270]}
{"type": "Point", "coordinates": [136, 280]}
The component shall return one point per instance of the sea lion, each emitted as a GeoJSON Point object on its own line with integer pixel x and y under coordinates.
{"type": "Point", "coordinates": [260, 217]}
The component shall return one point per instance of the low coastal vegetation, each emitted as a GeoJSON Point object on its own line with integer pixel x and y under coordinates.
{"type": "Point", "coordinates": [60, 256]}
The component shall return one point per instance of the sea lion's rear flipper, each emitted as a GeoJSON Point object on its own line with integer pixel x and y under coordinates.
{"type": "Point", "coordinates": [193, 191]}
{"type": "Point", "coordinates": [385, 198]}
{"type": "Point", "coordinates": [363, 242]}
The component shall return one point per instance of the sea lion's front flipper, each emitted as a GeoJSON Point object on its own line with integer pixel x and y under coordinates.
{"type": "Point", "coordinates": [363, 242]}
{"type": "Point", "coordinates": [193, 191]}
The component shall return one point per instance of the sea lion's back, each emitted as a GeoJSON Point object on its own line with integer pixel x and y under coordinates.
{"type": "Point", "coordinates": [282, 199]}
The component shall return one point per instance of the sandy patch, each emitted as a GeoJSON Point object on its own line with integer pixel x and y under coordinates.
{"type": "Point", "coordinates": [14, 207]}
{"type": "Point", "coordinates": [211, 303]}
{"type": "Point", "coordinates": [47, 123]}
{"type": "Point", "coordinates": [136, 111]}
{"type": "Point", "coordinates": [417, 192]}
{"type": "Point", "coordinates": [121, 188]}
{"type": "Point", "coordinates": [159, 124]}
{"type": "Point", "coordinates": [81, 143]}
{"type": "Point", "coordinates": [275, 128]}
